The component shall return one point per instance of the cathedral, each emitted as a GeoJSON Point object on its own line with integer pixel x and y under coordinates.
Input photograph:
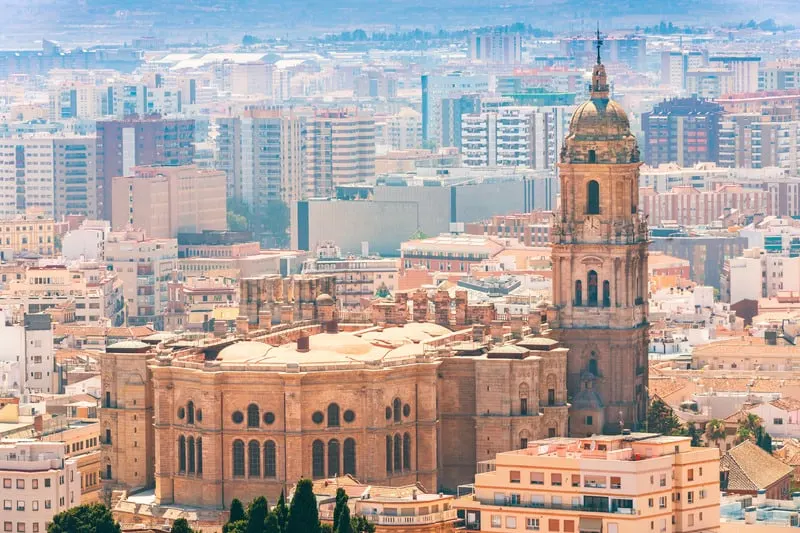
{"type": "Point", "coordinates": [599, 258]}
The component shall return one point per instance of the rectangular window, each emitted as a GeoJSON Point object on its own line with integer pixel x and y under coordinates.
{"type": "Point", "coordinates": [20, 483]}
{"type": "Point", "coordinates": [516, 499]}
{"type": "Point", "coordinates": [555, 480]}
{"type": "Point", "coordinates": [552, 524]}
{"type": "Point", "coordinates": [663, 480]}
{"type": "Point", "coordinates": [20, 527]}
{"type": "Point", "coordinates": [616, 482]}
{"type": "Point", "coordinates": [7, 483]}
{"type": "Point", "coordinates": [511, 522]}
{"type": "Point", "coordinates": [690, 474]}
{"type": "Point", "coordinates": [649, 502]}
{"type": "Point", "coordinates": [576, 480]}
{"type": "Point", "coordinates": [48, 504]}
{"type": "Point", "coordinates": [8, 505]}
{"type": "Point", "coordinates": [701, 494]}
{"type": "Point", "coordinates": [532, 524]}
{"type": "Point", "coordinates": [690, 522]}
{"type": "Point", "coordinates": [20, 505]}
{"type": "Point", "coordinates": [514, 476]}
{"type": "Point", "coordinates": [497, 520]}
{"type": "Point", "coordinates": [569, 526]}
{"type": "Point", "coordinates": [35, 505]}
{"type": "Point", "coordinates": [35, 527]}
{"type": "Point", "coordinates": [8, 526]}
{"type": "Point", "coordinates": [35, 483]}
{"type": "Point", "coordinates": [589, 420]}
{"type": "Point", "coordinates": [777, 421]}
{"type": "Point", "coordinates": [690, 497]}
{"type": "Point", "coordinates": [47, 482]}
{"type": "Point", "coordinates": [662, 502]}
{"type": "Point", "coordinates": [537, 478]}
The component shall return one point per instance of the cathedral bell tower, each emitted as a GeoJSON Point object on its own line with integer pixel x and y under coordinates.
{"type": "Point", "coordinates": [600, 267]}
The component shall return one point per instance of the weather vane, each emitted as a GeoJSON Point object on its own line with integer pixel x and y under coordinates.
{"type": "Point", "coordinates": [599, 42]}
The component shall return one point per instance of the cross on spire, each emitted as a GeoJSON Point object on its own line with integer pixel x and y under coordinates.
{"type": "Point", "coordinates": [599, 42]}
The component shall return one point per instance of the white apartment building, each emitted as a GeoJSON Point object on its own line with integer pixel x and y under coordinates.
{"type": "Point", "coordinates": [30, 346]}
{"type": "Point", "coordinates": [94, 292]}
{"type": "Point", "coordinates": [38, 482]}
{"type": "Point", "coordinates": [404, 129]}
{"type": "Point", "coordinates": [55, 175]}
{"type": "Point", "coordinates": [87, 242]}
{"type": "Point", "coordinates": [757, 274]}
{"type": "Point", "coordinates": [144, 266]}
{"type": "Point", "coordinates": [514, 136]}
{"type": "Point", "coordinates": [706, 176]}
{"type": "Point", "coordinates": [675, 65]}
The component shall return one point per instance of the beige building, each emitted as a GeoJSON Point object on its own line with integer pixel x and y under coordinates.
{"type": "Point", "coordinates": [600, 267]}
{"type": "Point", "coordinates": [144, 265]}
{"type": "Point", "coordinates": [604, 484]}
{"type": "Point", "coordinates": [165, 201]}
{"type": "Point", "coordinates": [28, 233]}
{"type": "Point", "coordinates": [38, 482]}
{"type": "Point", "coordinates": [341, 150]}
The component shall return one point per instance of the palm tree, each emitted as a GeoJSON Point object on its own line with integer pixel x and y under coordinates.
{"type": "Point", "coordinates": [715, 431]}
{"type": "Point", "coordinates": [751, 422]}
{"type": "Point", "coordinates": [743, 434]}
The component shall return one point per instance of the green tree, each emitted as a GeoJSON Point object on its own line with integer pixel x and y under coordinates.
{"type": "Point", "coordinates": [341, 503]}
{"type": "Point", "coordinates": [752, 422]}
{"type": "Point", "coordinates": [271, 524]}
{"type": "Point", "coordinates": [715, 430]}
{"type": "Point", "coordinates": [764, 440]}
{"type": "Point", "coordinates": [344, 521]}
{"type": "Point", "coordinates": [93, 518]}
{"type": "Point", "coordinates": [282, 513]}
{"type": "Point", "coordinates": [661, 418]}
{"type": "Point", "coordinates": [326, 528]}
{"type": "Point", "coordinates": [360, 524]}
{"type": "Point", "coordinates": [303, 512]}
{"type": "Point", "coordinates": [692, 431]}
{"type": "Point", "coordinates": [743, 434]}
{"type": "Point", "coordinates": [257, 513]}
{"type": "Point", "coordinates": [237, 514]}
{"type": "Point", "coordinates": [181, 525]}
{"type": "Point", "coordinates": [240, 526]}
{"type": "Point", "coordinates": [236, 222]}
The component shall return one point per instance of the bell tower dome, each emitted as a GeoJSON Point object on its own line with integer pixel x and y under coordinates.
{"type": "Point", "coordinates": [600, 266]}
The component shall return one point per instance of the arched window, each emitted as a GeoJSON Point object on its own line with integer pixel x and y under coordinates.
{"type": "Point", "coordinates": [318, 459]}
{"type": "Point", "coordinates": [182, 454]}
{"type": "Point", "coordinates": [606, 294]}
{"type": "Point", "coordinates": [578, 293]}
{"type": "Point", "coordinates": [190, 412]}
{"type": "Point", "coordinates": [199, 456]}
{"type": "Point", "coordinates": [406, 452]}
{"type": "Point", "coordinates": [592, 198]}
{"type": "Point", "coordinates": [333, 458]}
{"type": "Point", "coordinates": [238, 458]}
{"type": "Point", "coordinates": [397, 406]}
{"type": "Point", "coordinates": [591, 289]}
{"type": "Point", "coordinates": [524, 391]}
{"type": "Point", "coordinates": [254, 458]}
{"type": "Point", "coordinates": [270, 469]}
{"type": "Point", "coordinates": [388, 454]}
{"type": "Point", "coordinates": [252, 416]}
{"type": "Point", "coordinates": [333, 415]}
{"type": "Point", "coordinates": [349, 457]}
{"type": "Point", "coordinates": [190, 459]}
{"type": "Point", "coordinates": [593, 366]}
{"type": "Point", "coordinates": [398, 453]}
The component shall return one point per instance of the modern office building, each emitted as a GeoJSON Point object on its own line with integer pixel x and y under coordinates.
{"type": "Point", "coordinates": [137, 141]}
{"type": "Point", "coordinates": [144, 265]}
{"type": "Point", "coordinates": [340, 150]}
{"type": "Point", "coordinates": [611, 484]}
{"type": "Point", "coordinates": [683, 131]}
{"type": "Point", "coordinates": [435, 88]}
{"type": "Point", "coordinates": [165, 201]}
{"type": "Point", "coordinates": [262, 153]}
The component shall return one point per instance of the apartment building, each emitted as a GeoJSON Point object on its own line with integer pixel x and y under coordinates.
{"type": "Point", "coordinates": [689, 206]}
{"type": "Point", "coordinates": [758, 274]}
{"type": "Point", "coordinates": [54, 175]}
{"type": "Point", "coordinates": [87, 291]}
{"type": "Point", "coordinates": [144, 265]}
{"type": "Point", "coordinates": [683, 131]}
{"type": "Point", "coordinates": [514, 136]}
{"type": "Point", "coordinates": [404, 130]}
{"type": "Point", "coordinates": [28, 355]}
{"type": "Point", "coordinates": [502, 48]}
{"type": "Point", "coordinates": [436, 88]}
{"type": "Point", "coordinates": [630, 483]}
{"type": "Point", "coordinates": [340, 150]}
{"type": "Point", "coordinates": [744, 70]}
{"type": "Point", "coordinates": [262, 153]}
{"type": "Point", "coordinates": [756, 140]}
{"type": "Point", "coordinates": [165, 201]}
{"type": "Point", "coordinates": [530, 229]}
{"type": "Point", "coordinates": [358, 279]}
{"type": "Point", "coordinates": [38, 483]}
{"type": "Point", "coordinates": [126, 143]}
{"type": "Point", "coordinates": [32, 232]}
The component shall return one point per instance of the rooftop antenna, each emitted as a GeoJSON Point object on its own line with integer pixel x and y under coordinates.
{"type": "Point", "coordinates": [599, 42]}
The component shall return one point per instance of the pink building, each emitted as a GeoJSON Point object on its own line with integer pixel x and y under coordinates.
{"type": "Point", "coordinates": [689, 206]}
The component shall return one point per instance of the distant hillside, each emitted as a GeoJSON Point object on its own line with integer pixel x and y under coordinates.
{"type": "Point", "coordinates": [93, 20]}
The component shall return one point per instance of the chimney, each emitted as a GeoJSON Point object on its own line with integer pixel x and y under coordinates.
{"type": "Point", "coordinates": [302, 344]}
{"type": "Point", "coordinates": [38, 424]}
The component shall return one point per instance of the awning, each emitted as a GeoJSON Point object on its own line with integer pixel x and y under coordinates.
{"type": "Point", "coordinates": [591, 525]}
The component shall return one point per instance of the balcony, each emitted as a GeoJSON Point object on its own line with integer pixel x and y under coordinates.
{"type": "Point", "coordinates": [417, 520]}
{"type": "Point", "coordinates": [605, 509]}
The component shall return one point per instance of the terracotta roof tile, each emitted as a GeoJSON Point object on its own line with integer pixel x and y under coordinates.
{"type": "Point", "coordinates": [786, 404]}
{"type": "Point", "coordinates": [750, 468]}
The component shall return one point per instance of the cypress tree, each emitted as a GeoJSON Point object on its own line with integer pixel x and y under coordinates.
{"type": "Point", "coordinates": [237, 511]}
{"type": "Point", "coordinates": [181, 525]}
{"type": "Point", "coordinates": [257, 515]}
{"type": "Point", "coordinates": [303, 513]}
{"type": "Point", "coordinates": [344, 521]}
{"type": "Point", "coordinates": [341, 502]}
{"type": "Point", "coordinates": [271, 525]}
{"type": "Point", "coordinates": [282, 513]}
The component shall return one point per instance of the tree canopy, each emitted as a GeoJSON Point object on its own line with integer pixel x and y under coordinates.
{"type": "Point", "coordinates": [92, 518]}
{"type": "Point", "coordinates": [661, 418]}
{"type": "Point", "coordinates": [303, 512]}
{"type": "Point", "coordinates": [181, 525]}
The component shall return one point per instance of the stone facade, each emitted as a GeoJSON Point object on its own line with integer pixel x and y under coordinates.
{"type": "Point", "coordinates": [600, 268]}
{"type": "Point", "coordinates": [126, 418]}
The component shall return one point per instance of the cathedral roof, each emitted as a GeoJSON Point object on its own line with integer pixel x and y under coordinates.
{"type": "Point", "coordinates": [601, 119]}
